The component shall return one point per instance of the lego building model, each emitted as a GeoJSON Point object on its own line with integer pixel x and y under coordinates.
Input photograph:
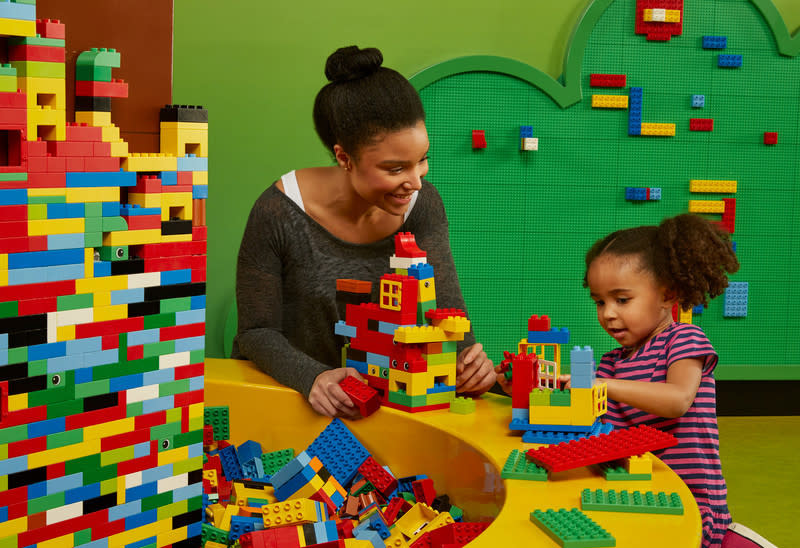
{"type": "Point", "coordinates": [102, 306]}
{"type": "Point", "coordinates": [403, 345]}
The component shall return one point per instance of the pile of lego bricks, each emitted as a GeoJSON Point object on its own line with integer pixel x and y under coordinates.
{"type": "Point", "coordinates": [334, 494]}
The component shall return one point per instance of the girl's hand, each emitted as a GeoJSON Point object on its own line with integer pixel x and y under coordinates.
{"type": "Point", "coordinates": [327, 397]}
{"type": "Point", "coordinates": [474, 371]}
{"type": "Point", "coordinates": [504, 383]}
{"type": "Point", "coordinates": [565, 381]}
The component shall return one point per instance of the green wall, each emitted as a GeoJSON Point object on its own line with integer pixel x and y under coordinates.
{"type": "Point", "coordinates": [257, 66]}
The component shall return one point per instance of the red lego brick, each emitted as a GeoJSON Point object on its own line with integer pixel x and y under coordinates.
{"type": "Point", "coordinates": [354, 286]}
{"type": "Point", "coordinates": [405, 245]}
{"type": "Point", "coordinates": [149, 420]}
{"type": "Point", "coordinates": [184, 419]}
{"type": "Point", "coordinates": [199, 233]}
{"type": "Point", "coordinates": [524, 368]}
{"type": "Point", "coordinates": [659, 31]}
{"type": "Point", "coordinates": [101, 149]}
{"type": "Point", "coordinates": [198, 275]}
{"type": "Point", "coordinates": [615, 445]}
{"type": "Point", "coordinates": [396, 507]}
{"type": "Point", "coordinates": [466, 532]}
{"type": "Point", "coordinates": [14, 229]}
{"type": "Point", "coordinates": [13, 245]}
{"type": "Point", "coordinates": [114, 88]}
{"type": "Point", "coordinates": [139, 464]}
{"type": "Point", "coordinates": [770, 137]}
{"type": "Point", "coordinates": [84, 132]}
{"type": "Point", "coordinates": [90, 418]}
{"type": "Point", "coordinates": [37, 306]}
{"type": "Point", "coordinates": [61, 528]}
{"type": "Point", "coordinates": [188, 398]}
{"type": "Point", "coordinates": [182, 331]}
{"type": "Point", "coordinates": [51, 28]}
{"type": "Point", "coordinates": [374, 473]}
{"type": "Point", "coordinates": [47, 54]}
{"type": "Point", "coordinates": [26, 447]}
{"type": "Point", "coordinates": [184, 179]}
{"type": "Point", "coordinates": [69, 148]}
{"type": "Point", "coordinates": [135, 352]}
{"type": "Point", "coordinates": [208, 434]}
{"type": "Point", "coordinates": [424, 490]}
{"type": "Point", "coordinates": [537, 323]}
{"type": "Point", "coordinates": [729, 215]}
{"type": "Point", "coordinates": [14, 101]}
{"type": "Point", "coordinates": [420, 409]}
{"type": "Point", "coordinates": [607, 80]}
{"type": "Point", "coordinates": [75, 164]}
{"type": "Point", "coordinates": [478, 138]}
{"type": "Point", "coordinates": [25, 416]}
{"type": "Point", "coordinates": [147, 184]}
{"type": "Point", "coordinates": [97, 329]}
{"type": "Point", "coordinates": [100, 163]}
{"type": "Point", "coordinates": [444, 313]}
{"type": "Point", "coordinates": [143, 222]}
{"type": "Point", "coordinates": [105, 530]}
{"type": "Point", "coordinates": [124, 440]}
{"type": "Point", "coordinates": [57, 470]}
{"type": "Point", "coordinates": [35, 291]}
{"type": "Point", "coordinates": [14, 213]}
{"type": "Point", "coordinates": [189, 371]}
{"type": "Point", "coordinates": [47, 180]}
{"type": "Point", "coordinates": [701, 124]}
{"type": "Point", "coordinates": [110, 341]}
{"type": "Point", "coordinates": [3, 402]}
{"type": "Point", "coordinates": [367, 399]}
{"type": "Point", "coordinates": [38, 148]}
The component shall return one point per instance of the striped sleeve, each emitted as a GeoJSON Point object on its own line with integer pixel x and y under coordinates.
{"type": "Point", "coordinates": [689, 341]}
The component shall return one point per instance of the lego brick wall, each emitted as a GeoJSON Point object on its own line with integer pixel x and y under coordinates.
{"type": "Point", "coordinates": [521, 221]}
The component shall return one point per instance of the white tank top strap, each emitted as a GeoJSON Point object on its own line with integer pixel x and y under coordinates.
{"type": "Point", "coordinates": [411, 206]}
{"type": "Point", "coordinates": [292, 189]}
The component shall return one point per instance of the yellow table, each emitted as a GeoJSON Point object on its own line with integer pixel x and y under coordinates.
{"type": "Point", "coordinates": [462, 453]}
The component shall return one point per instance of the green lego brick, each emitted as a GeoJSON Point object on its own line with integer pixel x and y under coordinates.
{"type": "Point", "coordinates": [9, 309]}
{"type": "Point", "coordinates": [210, 533]}
{"type": "Point", "coordinates": [39, 367]}
{"type": "Point", "coordinates": [74, 302]}
{"type": "Point", "coordinates": [45, 503]}
{"type": "Point", "coordinates": [62, 439]}
{"type": "Point", "coordinates": [100, 474]}
{"type": "Point", "coordinates": [64, 408]}
{"type": "Point", "coordinates": [614, 471]}
{"type": "Point", "coordinates": [115, 456]}
{"type": "Point", "coordinates": [462, 406]}
{"type": "Point", "coordinates": [572, 529]}
{"type": "Point", "coordinates": [93, 209]}
{"type": "Point", "coordinates": [364, 488]}
{"type": "Point", "coordinates": [560, 398]}
{"type": "Point", "coordinates": [174, 415]}
{"type": "Point", "coordinates": [7, 70]}
{"type": "Point", "coordinates": [158, 349]}
{"type": "Point", "coordinates": [18, 355]}
{"type": "Point", "coordinates": [402, 398]}
{"type": "Point", "coordinates": [194, 503]}
{"type": "Point", "coordinates": [636, 502]}
{"type": "Point", "coordinates": [37, 41]}
{"type": "Point", "coordinates": [188, 438]}
{"type": "Point", "coordinates": [37, 211]}
{"type": "Point", "coordinates": [171, 510]}
{"type": "Point", "coordinates": [93, 239]}
{"type": "Point", "coordinates": [82, 537]}
{"type": "Point", "coordinates": [159, 320]}
{"type": "Point", "coordinates": [409, 497]}
{"type": "Point", "coordinates": [112, 370]}
{"type": "Point", "coordinates": [219, 419]}
{"type": "Point", "coordinates": [114, 224]}
{"type": "Point", "coordinates": [422, 308]}
{"type": "Point", "coordinates": [178, 304]}
{"type": "Point", "coordinates": [517, 466]}
{"type": "Point", "coordinates": [449, 346]}
{"type": "Point", "coordinates": [39, 69]}
{"type": "Point", "coordinates": [92, 388]}
{"type": "Point", "coordinates": [43, 201]}
{"type": "Point", "coordinates": [437, 398]}
{"type": "Point", "coordinates": [165, 430]}
{"type": "Point", "coordinates": [275, 460]}
{"type": "Point", "coordinates": [173, 387]}
{"type": "Point", "coordinates": [94, 224]}
{"type": "Point", "coordinates": [540, 397]}
{"type": "Point", "coordinates": [108, 252]}
{"type": "Point", "coordinates": [197, 356]}
{"type": "Point", "coordinates": [156, 501]}
{"type": "Point", "coordinates": [188, 465]}
{"type": "Point", "coordinates": [82, 464]}
{"type": "Point", "coordinates": [13, 433]}
{"type": "Point", "coordinates": [134, 409]}
{"type": "Point", "coordinates": [456, 512]}
{"type": "Point", "coordinates": [98, 57]}
{"type": "Point", "coordinates": [92, 73]}
{"type": "Point", "coordinates": [13, 176]}
{"type": "Point", "coordinates": [442, 359]}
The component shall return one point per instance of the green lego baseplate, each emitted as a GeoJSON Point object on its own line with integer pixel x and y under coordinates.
{"type": "Point", "coordinates": [521, 221]}
{"type": "Point", "coordinates": [636, 501]}
{"type": "Point", "coordinates": [219, 419]}
{"type": "Point", "coordinates": [572, 528]}
{"type": "Point", "coordinates": [519, 467]}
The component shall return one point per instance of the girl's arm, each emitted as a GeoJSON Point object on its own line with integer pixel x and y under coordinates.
{"type": "Point", "coordinates": [670, 399]}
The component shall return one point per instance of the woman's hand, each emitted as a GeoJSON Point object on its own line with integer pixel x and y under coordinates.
{"type": "Point", "coordinates": [504, 383]}
{"type": "Point", "coordinates": [327, 397]}
{"type": "Point", "coordinates": [474, 371]}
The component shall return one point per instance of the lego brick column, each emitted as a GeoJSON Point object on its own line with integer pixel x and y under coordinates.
{"type": "Point", "coordinates": [102, 306]}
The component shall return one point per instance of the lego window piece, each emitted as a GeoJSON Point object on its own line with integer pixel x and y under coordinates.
{"type": "Point", "coordinates": [391, 294]}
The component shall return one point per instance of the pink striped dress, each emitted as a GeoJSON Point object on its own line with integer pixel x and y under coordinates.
{"type": "Point", "coordinates": [696, 457]}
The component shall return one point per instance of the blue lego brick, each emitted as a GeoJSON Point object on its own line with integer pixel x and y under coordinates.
{"type": "Point", "coordinates": [129, 210]}
{"type": "Point", "coordinates": [81, 375]}
{"type": "Point", "coordinates": [190, 343]}
{"type": "Point", "coordinates": [525, 131]}
{"type": "Point", "coordinates": [158, 404]}
{"type": "Point", "coordinates": [13, 10]}
{"type": "Point", "coordinates": [253, 468]}
{"type": "Point", "coordinates": [14, 465]}
{"type": "Point", "coordinates": [554, 336]}
{"type": "Point", "coordinates": [187, 492]}
{"type": "Point", "coordinates": [715, 42]}
{"type": "Point", "coordinates": [65, 241]}
{"type": "Point", "coordinates": [438, 388]}
{"type": "Point", "coordinates": [344, 330]}
{"type": "Point", "coordinates": [24, 276]}
{"type": "Point", "coordinates": [249, 450]}
{"type": "Point", "coordinates": [294, 484]}
{"type": "Point", "coordinates": [387, 328]}
{"type": "Point", "coordinates": [3, 514]}
{"type": "Point", "coordinates": [158, 376]}
{"type": "Point", "coordinates": [636, 194]}
{"type": "Point", "coordinates": [141, 491]}
{"type": "Point", "coordinates": [158, 473]}
{"type": "Point", "coordinates": [729, 61]}
{"type": "Point", "coordinates": [361, 367]}
{"type": "Point", "coordinates": [520, 415]}
{"type": "Point", "coordinates": [13, 196]}
{"type": "Point", "coordinates": [325, 531]}
{"type": "Point", "coordinates": [143, 518]}
{"type": "Point", "coordinates": [141, 449]}
{"type": "Point", "coordinates": [371, 536]}
{"type": "Point", "coordinates": [112, 209]}
{"type": "Point", "coordinates": [169, 178]}
{"type": "Point", "coordinates": [655, 194]}
{"type": "Point", "coordinates": [404, 484]}
{"type": "Point", "coordinates": [198, 302]}
{"type": "Point", "coordinates": [199, 192]}
{"type": "Point", "coordinates": [80, 346]}
{"type": "Point", "coordinates": [698, 309]}
{"type": "Point", "coordinates": [698, 101]}
{"type": "Point", "coordinates": [66, 211]}
{"type": "Point", "coordinates": [3, 356]}
{"type": "Point", "coordinates": [146, 336]}
{"type": "Point", "coordinates": [172, 277]}
{"type": "Point", "coordinates": [240, 526]}
{"type": "Point", "coordinates": [569, 428]}
{"type": "Point", "coordinates": [102, 269]}
{"type": "Point", "coordinates": [185, 317]}
{"type": "Point", "coordinates": [104, 357]}
{"type": "Point", "coordinates": [558, 437]}
{"type": "Point", "coordinates": [46, 427]}
{"type": "Point", "coordinates": [735, 303]}
{"type": "Point", "coordinates": [82, 493]}
{"type": "Point", "coordinates": [291, 468]}
{"type": "Point", "coordinates": [339, 450]}
{"type": "Point", "coordinates": [378, 359]}
{"type": "Point", "coordinates": [37, 490]}
{"type": "Point", "coordinates": [634, 129]}
{"type": "Point", "coordinates": [421, 271]}
{"type": "Point", "coordinates": [191, 162]}
{"type": "Point", "coordinates": [196, 383]}
{"type": "Point", "coordinates": [47, 350]}
{"type": "Point", "coordinates": [144, 543]}
{"type": "Point", "coordinates": [64, 483]}
{"type": "Point", "coordinates": [77, 179]}
{"type": "Point", "coordinates": [127, 296]}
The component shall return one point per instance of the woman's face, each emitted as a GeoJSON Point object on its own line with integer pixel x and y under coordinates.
{"type": "Point", "coordinates": [389, 170]}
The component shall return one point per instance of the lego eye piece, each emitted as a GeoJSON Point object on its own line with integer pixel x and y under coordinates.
{"type": "Point", "coordinates": [119, 252]}
{"type": "Point", "coordinates": [384, 373]}
{"type": "Point", "coordinates": [427, 284]}
{"type": "Point", "coordinates": [164, 444]}
{"type": "Point", "coordinates": [405, 366]}
{"type": "Point", "coordinates": [394, 363]}
{"type": "Point", "coordinates": [55, 380]}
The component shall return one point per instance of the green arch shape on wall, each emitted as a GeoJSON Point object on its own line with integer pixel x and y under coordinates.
{"type": "Point", "coordinates": [569, 92]}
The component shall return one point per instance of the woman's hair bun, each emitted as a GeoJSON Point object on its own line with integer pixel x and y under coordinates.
{"type": "Point", "coordinates": [352, 62]}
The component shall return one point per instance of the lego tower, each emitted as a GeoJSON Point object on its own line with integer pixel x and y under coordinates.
{"type": "Point", "coordinates": [102, 306]}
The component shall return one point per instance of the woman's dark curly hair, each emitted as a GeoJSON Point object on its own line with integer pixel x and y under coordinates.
{"type": "Point", "coordinates": [686, 254]}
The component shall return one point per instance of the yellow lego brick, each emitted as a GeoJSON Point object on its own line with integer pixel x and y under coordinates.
{"type": "Point", "coordinates": [3, 452]}
{"type": "Point", "coordinates": [3, 261]}
{"type": "Point", "coordinates": [673, 16]}
{"type": "Point", "coordinates": [308, 490]}
{"type": "Point", "coordinates": [13, 527]}
{"type": "Point", "coordinates": [230, 511]}
{"type": "Point", "coordinates": [211, 544]}
{"type": "Point", "coordinates": [443, 373]}
{"type": "Point", "coordinates": [211, 476]}
{"type": "Point", "coordinates": [133, 237]}
{"type": "Point", "coordinates": [65, 541]}
{"type": "Point", "coordinates": [88, 263]}
{"type": "Point", "coordinates": [201, 178]}
{"type": "Point", "coordinates": [662, 130]}
{"type": "Point", "coordinates": [411, 525]}
{"type": "Point", "coordinates": [17, 27]}
{"type": "Point", "coordinates": [3, 278]}
{"type": "Point", "coordinates": [413, 384]}
{"type": "Point", "coordinates": [661, 15]}
{"type": "Point", "coordinates": [17, 402]}
{"type": "Point", "coordinates": [150, 162]}
{"type": "Point", "coordinates": [102, 298]}
{"type": "Point", "coordinates": [93, 118]}
{"type": "Point", "coordinates": [110, 312]}
{"type": "Point", "coordinates": [47, 91]}
{"type": "Point", "coordinates": [639, 464]}
{"type": "Point", "coordinates": [427, 287]}
{"type": "Point", "coordinates": [215, 512]}
{"type": "Point", "coordinates": [200, 126]}
{"type": "Point", "coordinates": [195, 423]}
{"type": "Point", "coordinates": [358, 543]}
{"type": "Point", "coordinates": [581, 406]}
{"type": "Point", "coordinates": [120, 490]}
{"type": "Point", "coordinates": [176, 238]}
{"type": "Point", "coordinates": [106, 283]}
{"type": "Point", "coordinates": [373, 370]}
{"type": "Point", "coordinates": [706, 206]}
{"type": "Point", "coordinates": [711, 185]}
{"type": "Point", "coordinates": [195, 410]}
{"type": "Point", "coordinates": [111, 428]}
{"type": "Point", "coordinates": [120, 540]}
{"type": "Point", "coordinates": [609, 101]}
{"type": "Point", "coordinates": [119, 148]}
{"type": "Point", "coordinates": [182, 140]}
{"type": "Point", "coordinates": [168, 538]}
{"type": "Point", "coordinates": [44, 227]}
{"type": "Point", "coordinates": [333, 486]}
{"type": "Point", "coordinates": [425, 334]}
{"type": "Point", "coordinates": [173, 455]}
{"type": "Point", "coordinates": [549, 414]}
{"type": "Point", "coordinates": [145, 200]}
{"type": "Point", "coordinates": [92, 194]}
{"type": "Point", "coordinates": [61, 454]}
{"type": "Point", "coordinates": [47, 123]}
{"type": "Point", "coordinates": [176, 204]}
{"type": "Point", "coordinates": [453, 324]}
{"type": "Point", "coordinates": [685, 316]}
{"type": "Point", "coordinates": [47, 192]}
{"type": "Point", "coordinates": [294, 511]}
{"type": "Point", "coordinates": [65, 333]}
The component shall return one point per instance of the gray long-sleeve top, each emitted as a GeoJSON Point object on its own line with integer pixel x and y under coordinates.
{"type": "Point", "coordinates": [286, 283]}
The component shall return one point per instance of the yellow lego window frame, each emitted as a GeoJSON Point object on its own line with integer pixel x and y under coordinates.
{"type": "Point", "coordinates": [391, 294]}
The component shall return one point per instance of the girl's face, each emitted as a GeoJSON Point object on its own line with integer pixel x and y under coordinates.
{"type": "Point", "coordinates": [631, 306]}
{"type": "Point", "coordinates": [389, 171]}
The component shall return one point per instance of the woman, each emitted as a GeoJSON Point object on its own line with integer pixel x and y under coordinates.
{"type": "Point", "coordinates": [318, 224]}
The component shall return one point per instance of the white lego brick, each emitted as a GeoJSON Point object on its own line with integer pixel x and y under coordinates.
{"type": "Point", "coordinates": [74, 317]}
{"type": "Point", "coordinates": [530, 143]}
{"type": "Point", "coordinates": [659, 15]}
{"type": "Point", "coordinates": [146, 279]}
{"type": "Point", "coordinates": [133, 480]}
{"type": "Point", "coordinates": [63, 513]}
{"type": "Point", "coordinates": [52, 327]}
{"type": "Point", "coordinates": [177, 359]}
{"type": "Point", "coordinates": [172, 483]}
{"type": "Point", "coordinates": [142, 393]}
